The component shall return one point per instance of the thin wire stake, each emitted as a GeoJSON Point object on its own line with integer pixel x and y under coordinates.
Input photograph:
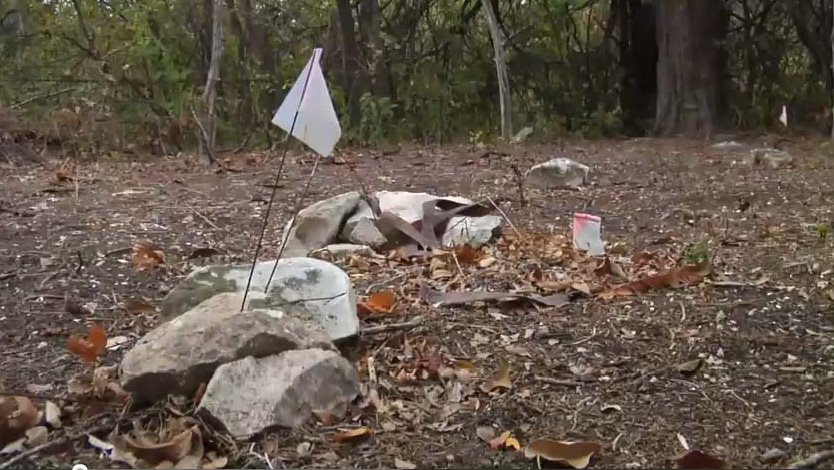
{"type": "Point", "coordinates": [274, 189]}
{"type": "Point", "coordinates": [297, 209]}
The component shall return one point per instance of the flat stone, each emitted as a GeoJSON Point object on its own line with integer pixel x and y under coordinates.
{"type": "Point", "coordinates": [473, 231]}
{"type": "Point", "coordinates": [319, 224]}
{"type": "Point", "coordinates": [179, 355]}
{"type": "Point", "coordinates": [773, 455]}
{"type": "Point", "coordinates": [557, 173]}
{"type": "Point", "coordinates": [322, 289]}
{"type": "Point", "coordinates": [252, 395]}
{"type": "Point", "coordinates": [409, 206]}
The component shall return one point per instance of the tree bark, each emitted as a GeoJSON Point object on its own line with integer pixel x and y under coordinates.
{"type": "Point", "coordinates": [208, 128]}
{"type": "Point", "coordinates": [498, 44]}
{"type": "Point", "coordinates": [350, 60]}
{"type": "Point", "coordinates": [636, 39]}
{"type": "Point", "coordinates": [370, 18]}
{"type": "Point", "coordinates": [690, 67]}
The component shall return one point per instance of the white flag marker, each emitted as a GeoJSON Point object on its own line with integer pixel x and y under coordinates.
{"type": "Point", "coordinates": [316, 124]}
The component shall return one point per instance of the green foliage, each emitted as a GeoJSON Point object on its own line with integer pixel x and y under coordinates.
{"type": "Point", "coordinates": [698, 252]}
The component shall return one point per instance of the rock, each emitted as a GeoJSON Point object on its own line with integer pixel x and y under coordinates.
{"type": "Point", "coordinates": [473, 231]}
{"type": "Point", "coordinates": [333, 304]}
{"type": "Point", "coordinates": [252, 395]}
{"type": "Point", "coordinates": [727, 144]}
{"type": "Point", "coordinates": [409, 206]}
{"type": "Point", "coordinates": [773, 455]}
{"type": "Point", "coordinates": [179, 355]}
{"type": "Point", "coordinates": [360, 228]}
{"type": "Point", "coordinates": [345, 250]}
{"type": "Point", "coordinates": [318, 225]}
{"type": "Point", "coordinates": [557, 173]}
{"type": "Point", "coordinates": [772, 158]}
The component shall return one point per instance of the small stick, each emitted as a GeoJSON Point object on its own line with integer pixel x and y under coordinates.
{"type": "Point", "coordinates": [46, 445]}
{"type": "Point", "coordinates": [198, 214]}
{"type": "Point", "coordinates": [509, 222]}
{"type": "Point", "coordinates": [560, 382]}
{"type": "Point", "coordinates": [814, 459]}
{"type": "Point", "coordinates": [392, 327]}
{"type": "Point", "coordinates": [297, 209]}
{"type": "Point", "coordinates": [8, 275]}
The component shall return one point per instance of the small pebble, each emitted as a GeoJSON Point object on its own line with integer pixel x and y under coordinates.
{"type": "Point", "coordinates": [773, 455]}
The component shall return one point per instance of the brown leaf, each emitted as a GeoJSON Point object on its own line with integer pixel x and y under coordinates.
{"type": "Point", "coordinates": [351, 434]}
{"type": "Point", "coordinates": [139, 307]}
{"type": "Point", "coordinates": [581, 287]}
{"type": "Point", "coordinates": [468, 255]}
{"type": "Point", "coordinates": [690, 367]}
{"type": "Point", "coordinates": [404, 464]}
{"type": "Point", "coordinates": [378, 302]}
{"type": "Point", "coordinates": [436, 297]}
{"type": "Point", "coordinates": [575, 454]}
{"type": "Point", "coordinates": [173, 443]}
{"type": "Point", "coordinates": [17, 415]}
{"type": "Point", "coordinates": [682, 276]}
{"type": "Point", "coordinates": [501, 380]}
{"type": "Point", "coordinates": [498, 441]}
{"type": "Point", "coordinates": [609, 267]}
{"type": "Point", "coordinates": [204, 252]}
{"type": "Point", "coordinates": [146, 256]}
{"type": "Point", "coordinates": [91, 347]}
{"type": "Point", "coordinates": [696, 459]}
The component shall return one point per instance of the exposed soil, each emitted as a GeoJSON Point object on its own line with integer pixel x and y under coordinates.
{"type": "Point", "coordinates": [767, 341]}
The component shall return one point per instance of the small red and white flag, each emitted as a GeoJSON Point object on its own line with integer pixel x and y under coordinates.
{"type": "Point", "coordinates": [316, 123]}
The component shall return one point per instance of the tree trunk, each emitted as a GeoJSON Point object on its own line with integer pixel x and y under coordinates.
{"type": "Point", "coordinates": [636, 39]}
{"type": "Point", "coordinates": [498, 43]}
{"type": "Point", "coordinates": [208, 128]}
{"type": "Point", "coordinates": [690, 67]}
{"type": "Point", "coordinates": [350, 60]}
{"type": "Point", "coordinates": [370, 18]}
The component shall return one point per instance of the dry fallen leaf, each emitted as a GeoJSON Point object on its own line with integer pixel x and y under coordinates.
{"type": "Point", "coordinates": [139, 307]}
{"type": "Point", "coordinates": [696, 459]}
{"type": "Point", "coordinates": [351, 434]}
{"type": "Point", "coordinates": [501, 380]}
{"type": "Point", "coordinates": [498, 441]}
{"type": "Point", "coordinates": [36, 436]}
{"type": "Point", "coordinates": [468, 255]}
{"type": "Point", "coordinates": [610, 267]}
{"type": "Point", "coordinates": [91, 347]}
{"type": "Point", "coordinates": [17, 415]}
{"type": "Point", "coordinates": [575, 454]}
{"type": "Point", "coordinates": [147, 256]}
{"type": "Point", "coordinates": [52, 414]}
{"type": "Point", "coordinates": [690, 367]}
{"type": "Point", "coordinates": [682, 276]}
{"type": "Point", "coordinates": [485, 433]}
{"type": "Point", "coordinates": [404, 464]}
{"type": "Point", "coordinates": [178, 442]}
{"type": "Point", "coordinates": [513, 443]}
{"type": "Point", "coordinates": [378, 302]}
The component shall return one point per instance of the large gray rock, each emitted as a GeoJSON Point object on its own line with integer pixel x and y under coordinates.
{"type": "Point", "coordinates": [323, 290]}
{"type": "Point", "coordinates": [557, 173]}
{"type": "Point", "coordinates": [252, 395]}
{"type": "Point", "coordinates": [179, 355]}
{"type": "Point", "coordinates": [360, 228]}
{"type": "Point", "coordinates": [409, 206]}
{"type": "Point", "coordinates": [472, 231]}
{"type": "Point", "coordinates": [319, 224]}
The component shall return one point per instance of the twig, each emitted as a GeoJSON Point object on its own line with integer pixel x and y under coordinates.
{"type": "Point", "coordinates": [564, 383]}
{"type": "Point", "coordinates": [398, 276]}
{"type": "Point", "coordinates": [8, 275]}
{"type": "Point", "coordinates": [203, 136]}
{"type": "Point", "coordinates": [198, 214]}
{"type": "Point", "coordinates": [311, 299]}
{"type": "Point", "coordinates": [41, 97]}
{"type": "Point", "coordinates": [392, 327]}
{"type": "Point", "coordinates": [814, 460]}
{"type": "Point", "coordinates": [519, 178]}
{"type": "Point", "coordinates": [56, 442]}
{"type": "Point", "coordinates": [509, 222]}
{"type": "Point", "coordinates": [80, 263]}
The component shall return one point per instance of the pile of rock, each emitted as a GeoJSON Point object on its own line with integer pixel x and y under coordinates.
{"type": "Point", "coordinates": [271, 365]}
{"type": "Point", "coordinates": [346, 224]}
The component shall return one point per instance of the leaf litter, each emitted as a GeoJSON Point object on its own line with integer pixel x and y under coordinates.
{"type": "Point", "coordinates": [607, 340]}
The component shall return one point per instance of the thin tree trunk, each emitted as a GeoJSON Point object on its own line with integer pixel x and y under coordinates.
{"type": "Point", "coordinates": [501, 69]}
{"type": "Point", "coordinates": [350, 57]}
{"type": "Point", "coordinates": [208, 130]}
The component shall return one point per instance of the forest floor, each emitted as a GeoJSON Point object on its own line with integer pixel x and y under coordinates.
{"type": "Point", "coordinates": [599, 369]}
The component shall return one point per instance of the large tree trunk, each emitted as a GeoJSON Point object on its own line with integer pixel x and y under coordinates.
{"type": "Point", "coordinates": [498, 45]}
{"type": "Point", "coordinates": [208, 126]}
{"type": "Point", "coordinates": [350, 60]}
{"type": "Point", "coordinates": [690, 67]}
{"type": "Point", "coordinates": [370, 18]}
{"type": "Point", "coordinates": [637, 46]}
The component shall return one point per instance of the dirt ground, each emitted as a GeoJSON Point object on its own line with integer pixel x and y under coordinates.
{"type": "Point", "coordinates": [601, 370]}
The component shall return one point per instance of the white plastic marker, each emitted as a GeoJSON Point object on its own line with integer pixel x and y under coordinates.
{"type": "Point", "coordinates": [783, 118]}
{"type": "Point", "coordinates": [307, 114]}
{"type": "Point", "coordinates": [587, 234]}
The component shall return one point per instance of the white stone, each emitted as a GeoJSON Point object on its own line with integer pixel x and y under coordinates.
{"type": "Point", "coordinates": [409, 206]}
{"type": "Point", "coordinates": [473, 231]}
{"type": "Point", "coordinates": [558, 173]}
{"type": "Point", "coordinates": [252, 395]}
{"type": "Point", "coordinates": [360, 228]}
{"type": "Point", "coordinates": [321, 288]}
{"type": "Point", "coordinates": [345, 250]}
{"type": "Point", "coordinates": [179, 355]}
{"type": "Point", "coordinates": [319, 224]}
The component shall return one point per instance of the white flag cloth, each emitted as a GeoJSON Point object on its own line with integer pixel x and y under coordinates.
{"type": "Point", "coordinates": [317, 124]}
